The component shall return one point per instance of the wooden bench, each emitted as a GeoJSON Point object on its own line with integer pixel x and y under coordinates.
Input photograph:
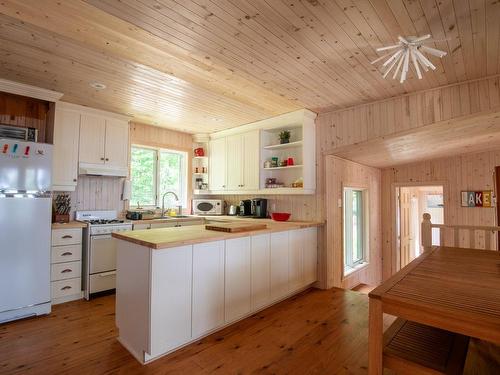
{"type": "Point", "coordinates": [414, 348]}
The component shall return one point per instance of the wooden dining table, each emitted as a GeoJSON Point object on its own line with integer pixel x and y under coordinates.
{"type": "Point", "coordinates": [454, 289]}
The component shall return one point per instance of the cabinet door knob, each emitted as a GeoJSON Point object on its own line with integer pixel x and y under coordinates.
{"type": "Point", "coordinates": [107, 159]}
{"type": "Point", "coordinates": [74, 180]}
{"type": "Point", "coordinates": [102, 158]}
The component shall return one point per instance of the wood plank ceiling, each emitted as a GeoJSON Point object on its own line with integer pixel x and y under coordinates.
{"type": "Point", "coordinates": [207, 65]}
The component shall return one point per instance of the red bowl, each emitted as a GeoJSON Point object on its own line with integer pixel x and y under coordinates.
{"type": "Point", "coordinates": [280, 216]}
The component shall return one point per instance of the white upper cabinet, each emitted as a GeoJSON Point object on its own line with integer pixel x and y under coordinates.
{"type": "Point", "coordinates": [250, 142]}
{"type": "Point", "coordinates": [238, 168]}
{"type": "Point", "coordinates": [116, 146]}
{"type": "Point", "coordinates": [234, 163]}
{"type": "Point", "coordinates": [92, 139]}
{"type": "Point", "coordinates": [217, 164]}
{"type": "Point", "coordinates": [65, 152]}
{"type": "Point", "coordinates": [238, 157]}
{"type": "Point", "coordinates": [104, 144]}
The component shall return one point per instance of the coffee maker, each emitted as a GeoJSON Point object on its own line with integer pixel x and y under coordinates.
{"type": "Point", "coordinates": [245, 207]}
{"type": "Point", "coordinates": [259, 208]}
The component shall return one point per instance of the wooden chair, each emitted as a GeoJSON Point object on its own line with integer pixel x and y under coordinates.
{"type": "Point", "coordinates": [412, 348]}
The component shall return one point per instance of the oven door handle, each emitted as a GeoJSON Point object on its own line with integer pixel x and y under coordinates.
{"type": "Point", "coordinates": [110, 273]}
{"type": "Point", "coordinates": [101, 237]}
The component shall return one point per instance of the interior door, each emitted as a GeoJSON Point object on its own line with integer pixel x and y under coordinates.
{"type": "Point", "coordinates": [251, 160]}
{"type": "Point", "coordinates": [92, 136]}
{"type": "Point", "coordinates": [217, 171]}
{"type": "Point", "coordinates": [116, 146]}
{"type": "Point", "coordinates": [405, 226]}
{"type": "Point", "coordinates": [234, 162]}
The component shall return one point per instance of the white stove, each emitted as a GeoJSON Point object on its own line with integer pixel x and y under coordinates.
{"type": "Point", "coordinates": [99, 258]}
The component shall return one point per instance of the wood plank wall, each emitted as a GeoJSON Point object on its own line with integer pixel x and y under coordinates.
{"type": "Point", "coordinates": [341, 173]}
{"type": "Point", "coordinates": [464, 172]}
{"type": "Point", "coordinates": [104, 193]}
{"type": "Point", "coordinates": [147, 135]}
{"type": "Point", "coordinates": [17, 110]}
{"type": "Point", "coordinates": [382, 118]}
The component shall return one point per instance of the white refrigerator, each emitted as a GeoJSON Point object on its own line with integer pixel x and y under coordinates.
{"type": "Point", "coordinates": [25, 228]}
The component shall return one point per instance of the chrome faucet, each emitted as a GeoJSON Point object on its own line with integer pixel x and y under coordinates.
{"type": "Point", "coordinates": [179, 208]}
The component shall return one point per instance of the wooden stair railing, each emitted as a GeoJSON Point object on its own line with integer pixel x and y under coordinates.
{"type": "Point", "coordinates": [487, 231]}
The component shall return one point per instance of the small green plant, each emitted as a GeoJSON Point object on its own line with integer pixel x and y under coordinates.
{"type": "Point", "coordinates": [285, 136]}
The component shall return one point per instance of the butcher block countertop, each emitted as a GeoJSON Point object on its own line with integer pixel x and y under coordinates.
{"type": "Point", "coordinates": [70, 225]}
{"type": "Point", "coordinates": [172, 237]}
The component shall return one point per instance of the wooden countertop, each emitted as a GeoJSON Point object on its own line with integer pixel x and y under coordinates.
{"type": "Point", "coordinates": [70, 225]}
{"type": "Point", "coordinates": [172, 237]}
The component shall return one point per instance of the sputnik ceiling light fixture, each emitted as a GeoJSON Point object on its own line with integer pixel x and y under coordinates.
{"type": "Point", "coordinates": [408, 48]}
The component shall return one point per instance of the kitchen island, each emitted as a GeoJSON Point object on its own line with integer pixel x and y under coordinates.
{"type": "Point", "coordinates": [176, 285]}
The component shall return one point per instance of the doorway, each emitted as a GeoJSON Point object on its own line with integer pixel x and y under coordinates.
{"type": "Point", "coordinates": [412, 203]}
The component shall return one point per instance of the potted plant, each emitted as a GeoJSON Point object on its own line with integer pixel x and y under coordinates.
{"type": "Point", "coordinates": [285, 136]}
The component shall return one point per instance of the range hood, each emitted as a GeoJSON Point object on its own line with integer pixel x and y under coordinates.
{"type": "Point", "coordinates": [101, 170]}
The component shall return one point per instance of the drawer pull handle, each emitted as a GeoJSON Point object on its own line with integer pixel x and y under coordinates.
{"type": "Point", "coordinates": [67, 270]}
{"type": "Point", "coordinates": [66, 253]}
{"type": "Point", "coordinates": [67, 236]}
{"type": "Point", "coordinates": [66, 287]}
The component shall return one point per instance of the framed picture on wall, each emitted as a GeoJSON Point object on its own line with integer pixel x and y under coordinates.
{"type": "Point", "coordinates": [477, 198]}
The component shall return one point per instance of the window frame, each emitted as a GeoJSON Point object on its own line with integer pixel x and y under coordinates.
{"type": "Point", "coordinates": [348, 264]}
{"type": "Point", "coordinates": [183, 198]}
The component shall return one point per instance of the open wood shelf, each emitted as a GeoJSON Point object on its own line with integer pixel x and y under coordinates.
{"type": "Point", "coordinates": [283, 146]}
{"type": "Point", "coordinates": [287, 167]}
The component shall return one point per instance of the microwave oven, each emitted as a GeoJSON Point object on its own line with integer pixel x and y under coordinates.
{"type": "Point", "coordinates": [208, 206]}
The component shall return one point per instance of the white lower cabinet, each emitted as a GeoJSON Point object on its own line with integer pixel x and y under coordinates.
{"type": "Point", "coordinates": [237, 302]}
{"type": "Point", "coordinates": [183, 293]}
{"type": "Point", "coordinates": [208, 287]}
{"type": "Point", "coordinates": [279, 265]}
{"type": "Point", "coordinates": [260, 270]}
{"type": "Point", "coordinates": [311, 256]}
{"type": "Point", "coordinates": [66, 265]}
{"type": "Point", "coordinates": [296, 259]}
{"type": "Point", "coordinates": [171, 278]}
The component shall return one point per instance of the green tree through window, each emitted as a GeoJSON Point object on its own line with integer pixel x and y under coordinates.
{"type": "Point", "coordinates": [156, 171]}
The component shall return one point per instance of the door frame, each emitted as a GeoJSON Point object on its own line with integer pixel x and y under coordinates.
{"type": "Point", "coordinates": [396, 252]}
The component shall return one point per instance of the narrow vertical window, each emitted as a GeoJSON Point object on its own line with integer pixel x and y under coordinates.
{"type": "Point", "coordinates": [354, 228]}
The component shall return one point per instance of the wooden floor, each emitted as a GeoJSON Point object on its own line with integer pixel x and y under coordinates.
{"type": "Point", "coordinates": [317, 332]}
